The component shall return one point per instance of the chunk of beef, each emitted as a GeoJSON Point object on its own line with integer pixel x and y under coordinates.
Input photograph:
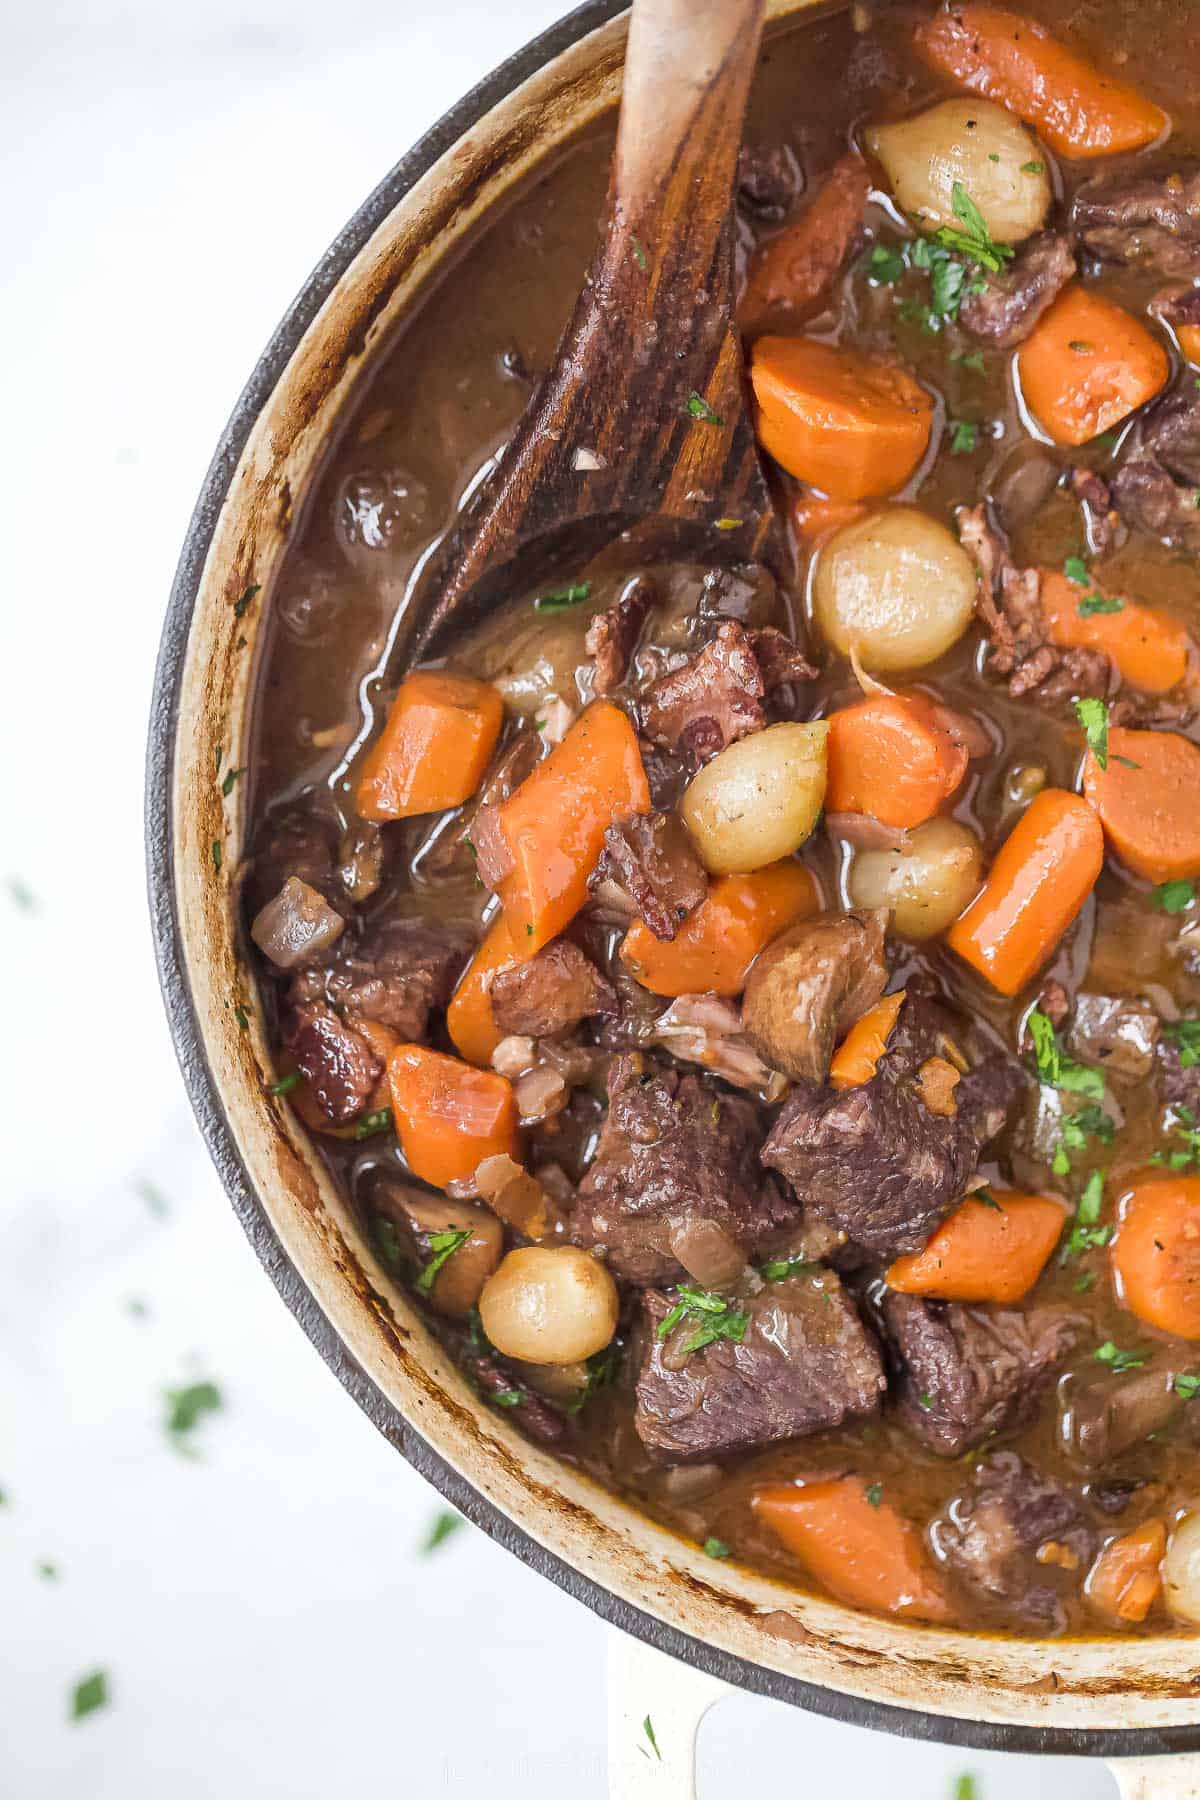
{"type": "Point", "coordinates": [810, 986]}
{"type": "Point", "coordinates": [1018, 1541]}
{"type": "Point", "coordinates": [674, 1150]}
{"type": "Point", "coordinates": [652, 858]}
{"type": "Point", "coordinates": [299, 843]}
{"type": "Point", "coordinates": [1012, 301]}
{"type": "Point", "coordinates": [396, 973]}
{"type": "Point", "coordinates": [781, 662]}
{"type": "Point", "coordinates": [1114, 1033]}
{"type": "Point", "coordinates": [1102, 522]}
{"type": "Point", "coordinates": [792, 273]}
{"type": "Point", "coordinates": [769, 180]}
{"type": "Point", "coordinates": [1157, 486]}
{"type": "Point", "coordinates": [967, 1372]}
{"type": "Point", "coordinates": [550, 992]}
{"type": "Point", "coordinates": [1010, 610]}
{"type": "Point", "coordinates": [1178, 1080]}
{"type": "Point", "coordinates": [1150, 219]}
{"type": "Point", "coordinates": [502, 1388]}
{"type": "Point", "coordinates": [805, 1364]}
{"type": "Point", "coordinates": [612, 637]}
{"type": "Point", "coordinates": [874, 1159]}
{"type": "Point", "coordinates": [1100, 1416]}
{"type": "Point", "coordinates": [337, 1062]}
{"type": "Point", "coordinates": [714, 699]}
{"type": "Point", "coordinates": [705, 1029]}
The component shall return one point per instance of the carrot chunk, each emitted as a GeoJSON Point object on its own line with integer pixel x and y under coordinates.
{"type": "Point", "coordinates": [554, 825]}
{"type": "Point", "coordinates": [850, 1540]}
{"type": "Point", "coordinates": [1189, 341]}
{"type": "Point", "coordinates": [793, 270]}
{"type": "Point", "coordinates": [1043, 873]}
{"type": "Point", "coordinates": [987, 1250]}
{"type": "Point", "coordinates": [1155, 1255]}
{"type": "Point", "coordinates": [849, 424]}
{"type": "Point", "coordinates": [1150, 811]}
{"type": "Point", "coordinates": [434, 748]}
{"type": "Point", "coordinates": [473, 1030]}
{"type": "Point", "coordinates": [1087, 364]}
{"type": "Point", "coordinates": [1124, 1581]}
{"type": "Point", "coordinates": [814, 517]}
{"type": "Point", "coordinates": [1002, 56]}
{"type": "Point", "coordinates": [714, 947]}
{"type": "Point", "coordinates": [892, 756]}
{"type": "Point", "coordinates": [449, 1116]}
{"type": "Point", "coordinates": [1148, 647]}
{"type": "Point", "coordinates": [858, 1054]}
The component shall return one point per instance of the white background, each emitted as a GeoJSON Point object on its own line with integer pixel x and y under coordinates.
{"type": "Point", "coordinates": [168, 175]}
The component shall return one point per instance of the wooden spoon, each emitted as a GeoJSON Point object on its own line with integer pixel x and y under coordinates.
{"type": "Point", "coordinates": [641, 425]}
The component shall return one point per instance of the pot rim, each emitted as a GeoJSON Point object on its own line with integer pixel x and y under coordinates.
{"type": "Point", "coordinates": [208, 1105]}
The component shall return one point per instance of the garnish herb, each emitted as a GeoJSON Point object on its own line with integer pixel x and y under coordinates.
{"type": "Point", "coordinates": [1187, 1386]}
{"type": "Point", "coordinates": [640, 257]}
{"type": "Point", "coordinates": [242, 1017]}
{"type": "Point", "coordinates": [1054, 1068]}
{"type": "Point", "coordinates": [388, 1240]}
{"type": "Point", "coordinates": [715, 1316]}
{"type": "Point", "coordinates": [186, 1406]}
{"type": "Point", "coordinates": [1076, 570]}
{"type": "Point", "coordinates": [49, 1571]}
{"type": "Point", "coordinates": [974, 240]}
{"type": "Point", "coordinates": [648, 1728]}
{"type": "Point", "coordinates": [442, 1244]}
{"type": "Point", "coordinates": [964, 1787]}
{"type": "Point", "coordinates": [885, 264]}
{"type": "Point", "coordinates": [875, 1493]}
{"type": "Point", "coordinates": [1086, 1232]}
{"type": "Point", "coordinates": [970, 359]}
{"type": "Point", "coordinates": [562, 598]}
{"type": "Point", "coordinates": [231, 777]}
{"type": "Point", "coordinates": [154, 1198]}
{"type": "Point", "coordinates": [285, 1084]}
{"type": "Point", "coordinates": [601, 1372]}
{"type": "Point", "coordinates": [239, 606]}
{"type": "Point", "coordinates": [1099, 603]}
{"type": "Point", "coordinates": [1188, 1156]}
{"type": "Point", "coordinates": [1078, 1127]}
{"type": "Point", "coordinates": [1032, 168]}
{"type": "Point", "coordinates": [217, 855]}
{"type": "Point", "coordinates": [717, 1549]}
{"type": "Point", "coordinates": [22, 895]}
{"type": "Point", "coordinates": [445, 1524]}
{"type": "Point", "coordinates": [924, 1402]}
{"type": "Point", "coordinates": [1093, 716]}
{"type": "Point", "coordinates": [372, 1122]}
{"type": "Point", "coordinates": [1119, 1361]}
{"type": "Point", "coordinates": [699, 408]}
{"type": "Point", "coordinates": [964, 437]}
{"type": "Point", "coordinates": [785, 1267]}
{"type": "Point", "coordinates": [507, 1397]}
{"type": "Point", "coordinates": [1173, 896]}
{"type": "Point", "coordinates": [89, 1695]}
{"type": "Point", "coordinates": [1185, 1033]}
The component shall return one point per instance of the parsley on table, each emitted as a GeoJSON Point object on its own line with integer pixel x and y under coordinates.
{"type": "Point", "coordinates": [374, 1122]}
{"type": "Point", "coordinates": [964, 437]}
{"type": "Point", "coordinates": [699, 408]}
{"type": "Point", "coordinates": [186, 1406]}
{"type": "Point", "coordinates": [717, 1549]}
{"type": "Point", "coordinates": [442, 1245]}
{"type": "Point", "coordinates": [1054, 1068]}
{"type": "Point", "coordinates": [153, 1198]}
{"type": "Point", "coordinates": [714, 1315]}
{"type": "Point", "coordinates": [648, 1728]}
{"type": "Point", "coordinates": [1173, 896]}
{"type": "Point", "coordinates": [48, 1571]}
{"type": "Point", "coordinates": [964, 1788]}
{"type": "Point", "coordinates": [444, 1525]}
{"type": "Point", "coordinates": [22, 895]}
{"type": "Point", "coordinates": [89, 1695]}
{"type": "Point", "coordinates": [1120, 1361]}
{"type": "Point", "coordinates": [562, 598]}
{"type": "Point", "coordinates": [1187, 1386]}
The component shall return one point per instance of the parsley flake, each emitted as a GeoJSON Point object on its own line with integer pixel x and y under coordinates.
{"type": "Point", "coordinates": [374, 1122]}
{"type": "Point", "coordinates": [89, 1695]}
{"type": "Point", "coordinates": [444, 1525]}
{"type": "Point", "coordinates": [285, 1084]}
{"type": "Point", "coordinates": [1093, 716]}
{"type": "Point", "coordinates": [442, 1245]}
{"type": "Point", "coordinates": [964, 437]}
{"type": "Point", "coordinates": [1099, 603]}
{"type": "Point", "coordinates": [1187, 1386]}
{"type": "Point", "coordinates": [1186, 1034]}
{"type": "Point", "coordinates": [648, 1728]}
{"type": "Point", "coordinates": [231, 778]}
{"type": "Point", "coordinates": [1173, 896]}
{"type": "Point", "coordinates": [785, 1267]}
{"type": "Point", "coordinates": [239, 606]}
{"type": "Point", "coordinates": [1119, 1361]}
{"type": "Point", "coordinates": [1033, 168]}
{"type": "Point", "coordinates": [714, 1315]}
{"type": "Point", "coordinates": [699, 408]}
{"type": "Point", "coordinates": [563, 598]}
{"type": "Point", "coordinates": [1076, 570]}
{"type": "Point", "coordinates": [717, 1549]}
{"type": "Point", "coordinates": [1054, 1068]}
{"type": "Point", "coordinates": [640, 257]}
{"type": "Point", "coordinates": [885, 264]}
{"type": "Point", "coordinates": [186, 1406]}
{"type": "Point", "coordinates": [875, 1493]}
{"type": "Point", "coordinates": [217, 855]}
{"type": "Point", "coordinates": [964, 1788]}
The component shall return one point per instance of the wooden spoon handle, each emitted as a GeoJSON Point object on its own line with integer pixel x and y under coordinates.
{"type": "Point", "coordinates": [688, 69]}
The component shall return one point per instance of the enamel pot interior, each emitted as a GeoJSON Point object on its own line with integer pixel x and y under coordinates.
{"type": "Point", "coordinates": [1123, 1697]}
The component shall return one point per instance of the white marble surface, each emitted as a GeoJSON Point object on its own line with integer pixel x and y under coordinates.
{"type": "Point", "coordinates": [169, 174]}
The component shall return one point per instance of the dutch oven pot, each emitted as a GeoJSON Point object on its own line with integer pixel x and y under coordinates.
{"type": "Point", "coordinates": [1135, 1699]}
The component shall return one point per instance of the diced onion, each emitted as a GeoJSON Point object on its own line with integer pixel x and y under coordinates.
{"type": "Point", "coordinates": [296, 925]}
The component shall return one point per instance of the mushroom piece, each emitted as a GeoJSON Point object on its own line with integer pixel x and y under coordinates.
{"type": "Point", "coordinates": [810, 986]}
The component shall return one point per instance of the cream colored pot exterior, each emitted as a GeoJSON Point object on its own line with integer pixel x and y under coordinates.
{"type": "Point", "coordinates": [1096, 1687]}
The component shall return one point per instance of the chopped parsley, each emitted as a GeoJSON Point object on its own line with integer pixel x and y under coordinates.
{"type": "Point", "coordinates": [1099, 603]}
{"type": "Point", "coordinates": [153, 1197]}
{"type": "Point", "coordinates": [1076, 570]}
{"type": "Point", "coordinates": [1086, 1232]}
{"type": "Point", "coordinates": [715, 1317]}
{"type": "Point", "coordinates": [1054, 1068]}
{"type": "Point", "coordinates": [1120, 1361]}
{"type": "Point", "coordinates": [1187, 1156]}
{"type": "Point", "coordinates": [373, 1122]}
{"type": "Point", "coordinates": [601, 1371]}
{"type": "Point", "coordinates": [242, 1017]}
{"type": "Point", "coordinates": [1089, 1121]}
{"type": "Point", "coordinates": [445, 1524]}
{"type": "Point", "coordinates": [974, 240]}
{"type": "Point", "coordinates": [964, 1787]}
{"type": "Point", "coordinates": [1093, 716]}
{"type": "Point", "coordinates": [186, 1406]}
{"type": "Point", "coordinates": [1187, 1386]}
{"type": "Point", "coordinates": [22, 895]}
{"type": "Point", "coordinates": [875, 1493]}
{"type": "Point", "coordinates": [49, 1571]}
{"type": "Point", "coordinates": [89, 1695]}
{"type": "Point", "coordinates": [1186, 1034]}
{"type": "Point", "coordinates": [717, 1549]}
{"type": "Point", "coordinates": [970, 359]}
{"type": "Point", "coordinates": [785, 1267]}
{"type": "Point", "coordinates": [239, 606]}
{"type": "Point", "coordinates": [217, 855]}
{"type": "Point", "coordinates": [699, 408]}
{"type": "Point", "coordinates": [640, 257]}
{"type": "Point", "coordinates": [285, 1084]}
{"type": "Point", "coordinates": [885, 264]}
{"type": "Point", "coordinates": [562, 598]}
{"type": "Point", "coordinates": [964, 437]}
{"type": "Point", "coordinates": [507, 1397]}
{"type": "Point", "coordinates": [442, 1245]}
{"type": "Point", "coordinates": [648, 1728]}
{"type": "Point", "coordinates": [232, 776]}
{"type": "Point", "coordinates": [1173, 896]}
{"type": "Point", "coordinates": [1033, 168]}
{"type": "Point", "coordinates": [924, 1402]}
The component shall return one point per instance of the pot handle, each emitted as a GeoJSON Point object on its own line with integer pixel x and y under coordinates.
{"type": "Point", "coordinates": [1157, 1777]}
{"type": "Point", "coordinates": [655, 1705]}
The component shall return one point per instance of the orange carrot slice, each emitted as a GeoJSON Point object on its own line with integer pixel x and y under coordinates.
{"type": "Point", "coordinates": [858, 1054]}
{"type": "Point", "coordinates": [449, 1116]}
{"type": "Point", "coordinates": [1147, 802]}
{"type": "Point", "coordinates": [988, 1250]}
{"type": "Point", "coordinates": [892, 756]}
{"type": "Point", "coordinates": [473, 1030]}
{"type": "Point", "coordinates": [1124, 1581]}
{"type": "Point", "coordinates": [434, 748]}
{"type": "Point", "coordinates": [1149, 647]}
{"type": "Point", "coordinates": [854, 1543]}
{"type": "Point", "coordinates": [1155, 1255]}
{"type": "Point", "coordinates": [714, 947]}
{"type": "Point", "coordinates": [1087, 364]}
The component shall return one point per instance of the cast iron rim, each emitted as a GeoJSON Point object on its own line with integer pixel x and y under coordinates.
{"type": "Point", "coordinates": [205, 1097]}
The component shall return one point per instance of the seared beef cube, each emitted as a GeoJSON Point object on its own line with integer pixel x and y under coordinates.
{"type": "Point", "coordinates": [1018, 1541]}
{"type": "Point", "coordinates": [398, 972]}
{"type": "Point", "coordinates": [674, 1151]}
{"type": "Point", "coordinates": [1179, 1083]}
{"type": "Point", "coordinates": [612, 636]}
{"type": "Point", "coordinates": [1155, 488]}
{"type": "Point", "coordinates": [654, 860]}
{"type": "Point", "coordinates": [805, 1363]}
{"type": "Point", "coordinates": [967, 1372]}
{"type": "Point", "coordinates": [713, 700]}
{"type": "Point", "coordinates": [1114, 1034]}
{"type": "Point", "coordinates": [1100, 1415]}
{"type": "Point", "coordinates": [550, 993]}
{"type": "Point", "coordinates": [810, 986]}
{"type": "Point", "coordinates": [875, 1159]}
{"type": "Point", "coordinates": [769, 180]}
{"type": "Point", "coordinates": [300, 843]}
{"type": "Point", "coordinates": [781, 662]}
{"type": "Point", "coordinates": [1149, 219]}
{"type": "Point", "coordinates": [339, 1065]}
{"type": "Point", "coordinates": [1014, 299]}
